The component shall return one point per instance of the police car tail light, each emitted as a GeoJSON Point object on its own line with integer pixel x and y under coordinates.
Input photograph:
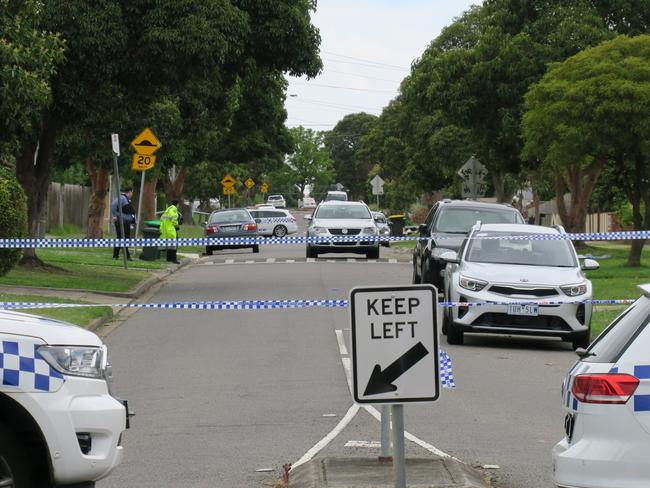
{"type": "Point", "coordinates": [89, 362]}
{"type": "Point", "coordinates": [604, 388]}
{"type": "Point", "coordinates": [249, 226]}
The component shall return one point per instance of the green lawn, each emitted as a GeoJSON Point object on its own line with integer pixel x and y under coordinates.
{"type": "Point", "coordinates": [614, 279]}
{"type": "Point", "coordinates": [602, 317]}
{"type": "Point", "coordinates": [79, 316]}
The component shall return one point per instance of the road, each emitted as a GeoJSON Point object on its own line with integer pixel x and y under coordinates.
{"type": "Point", "coordinates": [222, 394]}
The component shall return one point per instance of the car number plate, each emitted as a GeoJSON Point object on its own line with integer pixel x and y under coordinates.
{"type": "Point", "coordinates": [518, 309]}
{"type": "Point", "coordinates": [230, 228]}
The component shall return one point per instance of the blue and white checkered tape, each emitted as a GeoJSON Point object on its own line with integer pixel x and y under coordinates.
{"type": "Point", "coordinates": [225, 241]}
{"type": "Point", "coordinates": [446, 370]}
{"type": "Point", "coordinates": [23, 369]}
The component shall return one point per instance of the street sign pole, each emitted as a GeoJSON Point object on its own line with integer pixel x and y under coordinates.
{"type": "Point", "coordinates": [399, 463]}
{"type": "Point", "coordinates": [116, 170]}
{"type": "Point", "coordinates": [228, 200]}
{"type": "Point", "coordinates": [140, 195]}
{"type": "Point", "coordinates": [385, 435]}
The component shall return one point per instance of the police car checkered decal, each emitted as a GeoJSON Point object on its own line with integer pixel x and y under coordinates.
{"type": "Point", "coordinates": [224, 241]}
{"type": "Point", "coordinates": [22, 368]}
{"type": "Point", "coordinates": [446, 372]}
{"type": "Point", "coordinates": [642, 396]}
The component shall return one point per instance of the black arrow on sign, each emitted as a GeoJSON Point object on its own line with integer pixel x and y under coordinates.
{"type": "Point", "coordinates": [382, 381]}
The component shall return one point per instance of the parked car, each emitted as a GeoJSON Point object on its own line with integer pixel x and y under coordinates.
{"type": "Point", "coordinates": [232, 222]}
{"type": "Point", "coordinates": [383, 226]}
{"type": "Point", "coordinates": [606, 396]}
{"type": "Point", "coordinates": [60, 423]}
{"type": "Point", "coordinates": [444, 229]}
{"type": "Point", "coordinates": [336, 218]}
{"type": "Point", "coordinates": [336, 195]}
{"type": "Point", "coordinates": [514, 263]}
{"type": "Point", "coordinates": [277, 201]}
{"type": "Point", "coordinates": [308, 202]}
{"type": "Point", "coordinates": [274, 222]}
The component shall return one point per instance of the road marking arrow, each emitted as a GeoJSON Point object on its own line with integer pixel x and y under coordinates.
{"type": "Point", "coordinates": [382, 381]}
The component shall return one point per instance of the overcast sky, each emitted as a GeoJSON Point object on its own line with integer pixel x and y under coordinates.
{"type": "Point", "coordinates": [367, 47]}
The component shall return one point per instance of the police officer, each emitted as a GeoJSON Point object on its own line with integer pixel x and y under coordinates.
{"type": "Point", "coordinates": [169, 223]}
{"type": "Point", "coordinates": [128, 218]}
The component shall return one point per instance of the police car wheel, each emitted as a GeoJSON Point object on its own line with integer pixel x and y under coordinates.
{"type": "Point", "coordinates": [14, 470]}
{"type": "Point", "coordinates": [454, 335]}
{"type": "Point", "coordinates": [280, 231]}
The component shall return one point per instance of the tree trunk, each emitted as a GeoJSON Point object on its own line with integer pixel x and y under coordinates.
{"type": "Point", "coordinates": [581, 182]}
{"type": "Point", "coordinates": [174, 189]}
{"type": "Point", "coordinates": [34, 172]}
{"type": "Point", "coordinates": [149, 199]}
{"type": "Point", "coordinates": [100, 187]}
{"type": "Point", "coordinates": [638, 192]}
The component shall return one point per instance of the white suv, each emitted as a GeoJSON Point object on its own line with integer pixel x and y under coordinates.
{"type": "Point", "coordinates": [60, 423]}
{"type": "Point", "coordinates": [510, 264]}
{"type": "Point", "coordinates": [277, 201]}
{"type": "Point", "coordinates": [337, 218]}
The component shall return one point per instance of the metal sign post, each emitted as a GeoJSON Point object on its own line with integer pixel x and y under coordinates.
{"type": "Point", "coordinates": [377, 187]}
{"type": "Point", "coordinates": [385, 434]}
{"type": "Point", "coordinates": [115, 140]}
{"type": "Point", "coordinates": [145, 145]}
{"type": "Point", "coordinates": [395, 357]}
{"type": "Point", "coordinates": [140, 195]}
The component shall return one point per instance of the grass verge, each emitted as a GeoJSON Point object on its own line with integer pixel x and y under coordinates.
{"type": "Point", "coordinates": [615, 279]}
{"type": "Point", "coordinates": [78, 316]}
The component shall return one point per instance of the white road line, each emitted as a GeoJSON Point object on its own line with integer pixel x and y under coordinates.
{"type": "Point", "coordinates": [352, 260]}
{"type": "Point", "coordinates": [230, 261]}
{"type": "Point", "coordinates": [291, 261]}
{"type": "Point", "coordinates": [311, 260]}
{"type": "Point", "coordinates": [347, 367]}
{"type": "Point", "coordinates": [392, 261]}
{"type": "Point", "coordinates": [339, 337]}
{"type": "Point", "coordinates": [366, 444]}
{"type": "Point", "coordinates": [249, 261]}
{"type": "Point", "coordinates": [270, 260]}
{"type": "Point", "coordinates": [352, 411]}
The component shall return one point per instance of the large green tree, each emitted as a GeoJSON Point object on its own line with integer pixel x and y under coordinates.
{"type": "Point", "coordinates": [590, 111]}
{"type": "Point", "coordinates": [310, 163]}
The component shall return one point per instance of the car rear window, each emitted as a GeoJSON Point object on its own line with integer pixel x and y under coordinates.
{"type": "Point", "coordinates": [461, 220]}
{"type": "Point", "coordinates": [343, 212]}
{"type": "Point", "coordinates": [230, 216]}
{"type": "Point", "coordinates": [617, 337]}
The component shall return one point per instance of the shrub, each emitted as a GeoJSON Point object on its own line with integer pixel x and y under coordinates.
{"type": "Point", "coordinates": [13, 218]}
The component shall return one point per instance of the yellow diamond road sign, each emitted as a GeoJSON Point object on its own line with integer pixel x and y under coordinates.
{"type": "Point", "coordinates": [146, 143]}
{"type": "Point", "coordinates": [264, 188]}
{"type": "Point", "coordinates": [228, 181]}
{"type": "Point", "coordinates": [249, 183]}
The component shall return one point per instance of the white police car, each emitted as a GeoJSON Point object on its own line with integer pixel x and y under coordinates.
{"type": "Point", "coordinates": [59, 425]}
{"type": "Point", "coordinates": [607, 398]}
{"type": "Point", "coordinates": [274, 222]}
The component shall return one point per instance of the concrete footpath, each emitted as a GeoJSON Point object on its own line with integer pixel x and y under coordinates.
{"type": "Point", "coordinates": [352, 472]}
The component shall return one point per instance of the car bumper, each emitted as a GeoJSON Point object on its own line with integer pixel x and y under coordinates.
{"type": "Point", "coordinates": [563, 321]}
{"type": "Point", "coordinates": [227, 235]}
{"type": "Point", "coordinates": [85, 406]}
{"type": "Point", "coordinates": [360, 246]}
{"type": "Point", "coordinates": [590, 463]}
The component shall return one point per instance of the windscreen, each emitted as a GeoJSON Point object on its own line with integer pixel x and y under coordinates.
{"type": "Point", "coordinates": [461, 220]}
{"type": "Point", "coordinates": [230, 216]}
{"type": "Point", "coordinates": [530, 252]}
{"type": "Point", "coordinates": [342, 212]}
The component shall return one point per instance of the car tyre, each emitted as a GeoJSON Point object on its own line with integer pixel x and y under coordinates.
{"type": "Point", "coordinates": [208, 251]}
{"type": "Point", "coordinates": [416, 277]}
{"type": "Point", "coordinates": [372, 254]}
{"type": "Point", "coordinates": [311, 253]}
{"type": "Point", "coordinates": [256, 248]}
{"type": "Point", "coordinates": [280, 231]}
{"type": "Point", "coordinates": [581, 340]}
{"type": "Point", "coordinates": [454, 334]}
{"type": "Point", "coordinates": [14, 469]}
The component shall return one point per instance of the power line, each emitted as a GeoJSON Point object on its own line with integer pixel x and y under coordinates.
{"type": "Point", "coordinates": [345, 87]}
{"type": "Point", "coordinates": [325, 103]}
{"type": "Point", "coordinates": [361, 76]}
{"type": "Point", "coordinates": [365, 65]}
{"type": "Point", "coordinates": [366, 60]}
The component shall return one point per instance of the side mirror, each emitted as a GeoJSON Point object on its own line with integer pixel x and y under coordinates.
{"type": "Point", "coordinates": [205, 223]}
{"type": "Point", "coordinates": [450, 257]}
{"type": "Point", "coordinates": [422, 228]}
{"type": "Point", "coordinates": [307, 217]}
{"type": "Point", "coordinates": [590, 264]}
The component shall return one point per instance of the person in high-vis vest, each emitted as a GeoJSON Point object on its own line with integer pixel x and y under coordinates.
{"type": "Point", "coordinates": [169, 223]}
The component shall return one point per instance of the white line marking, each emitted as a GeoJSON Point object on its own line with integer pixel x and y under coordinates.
{"type": "Point", "coordinates": [339, 337]}
{"type": "Point", "coordinates": [331, 260]}
{"type": "Point", "coordinates": [347, 367]}
{"type": "Point", "coordinates": [352, 260]}
{"type": "Point", "coordinates": [230, 261]}
{"type": "Point", "coordinates": [392, 261]}
{"type": "Point", "coordinates": [270, 260]}
{"type": "Point", "coordinates": [311, 260]}
{"type": "Point", "coordinates": [291, 261]}
{"type": "Point", "coordinates": [432, 449]}
{"type": "Point", "coordinates": [250, 261]}
{"type": "Point", "coordinates": [366, 444]}
{"type": "Point", "coordinates": [352, 411]}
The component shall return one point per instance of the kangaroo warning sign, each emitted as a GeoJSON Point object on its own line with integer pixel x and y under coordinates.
{"type": "Point", "coordinates": [395, 344]}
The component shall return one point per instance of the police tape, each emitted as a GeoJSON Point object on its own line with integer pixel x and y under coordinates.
{"type": "Point", "coordinates": [322, 239]}
{"type": "Point", "coordinates": [289, 304]}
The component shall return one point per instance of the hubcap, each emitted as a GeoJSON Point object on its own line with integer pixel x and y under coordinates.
{"type": "Point", "coordinates": [6, 477]}
{"type": "Point", "coordinates": [280, 232]}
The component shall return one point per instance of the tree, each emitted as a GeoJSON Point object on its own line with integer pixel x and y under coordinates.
{"type": "Point", "coordinates": [589, 111]}
{"type": "Point", "coordinates": [343, 143]}
{"type": "Point", "coordinates": [309, 164]}
{"type": "Point", "coordinates": [28, 59]}
{"type": "Point", "coordinates": [13, 217]}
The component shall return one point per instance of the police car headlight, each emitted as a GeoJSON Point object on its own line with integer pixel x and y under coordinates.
{"type": "Point", "coordinates": [89, 362]}
{"type": "Point", "coordinates": [574, 290]}
{"type": "Point", "coordinates": [471, 284]}
{"type": "Point", "coordinates": [369, 230]}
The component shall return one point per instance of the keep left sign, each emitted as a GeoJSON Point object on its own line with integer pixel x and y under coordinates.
{"type": "Point", "coordinates": [395, 344]}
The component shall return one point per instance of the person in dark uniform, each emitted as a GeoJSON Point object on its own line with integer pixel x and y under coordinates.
{"type": "Point", "coordinates": [128, 218]}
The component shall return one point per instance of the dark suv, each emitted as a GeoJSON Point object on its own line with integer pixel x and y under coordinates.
{"type": "Point", "coordinates": [447, 224]}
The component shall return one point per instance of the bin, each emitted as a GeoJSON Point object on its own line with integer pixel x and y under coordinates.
{"type": "Point", "coordinates": [151, 231]}
{"type": "Point", "coordinates": [397, 224]}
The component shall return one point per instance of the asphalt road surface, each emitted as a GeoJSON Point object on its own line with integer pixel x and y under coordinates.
{"type": "Point", "coordinates": [222, 397]}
